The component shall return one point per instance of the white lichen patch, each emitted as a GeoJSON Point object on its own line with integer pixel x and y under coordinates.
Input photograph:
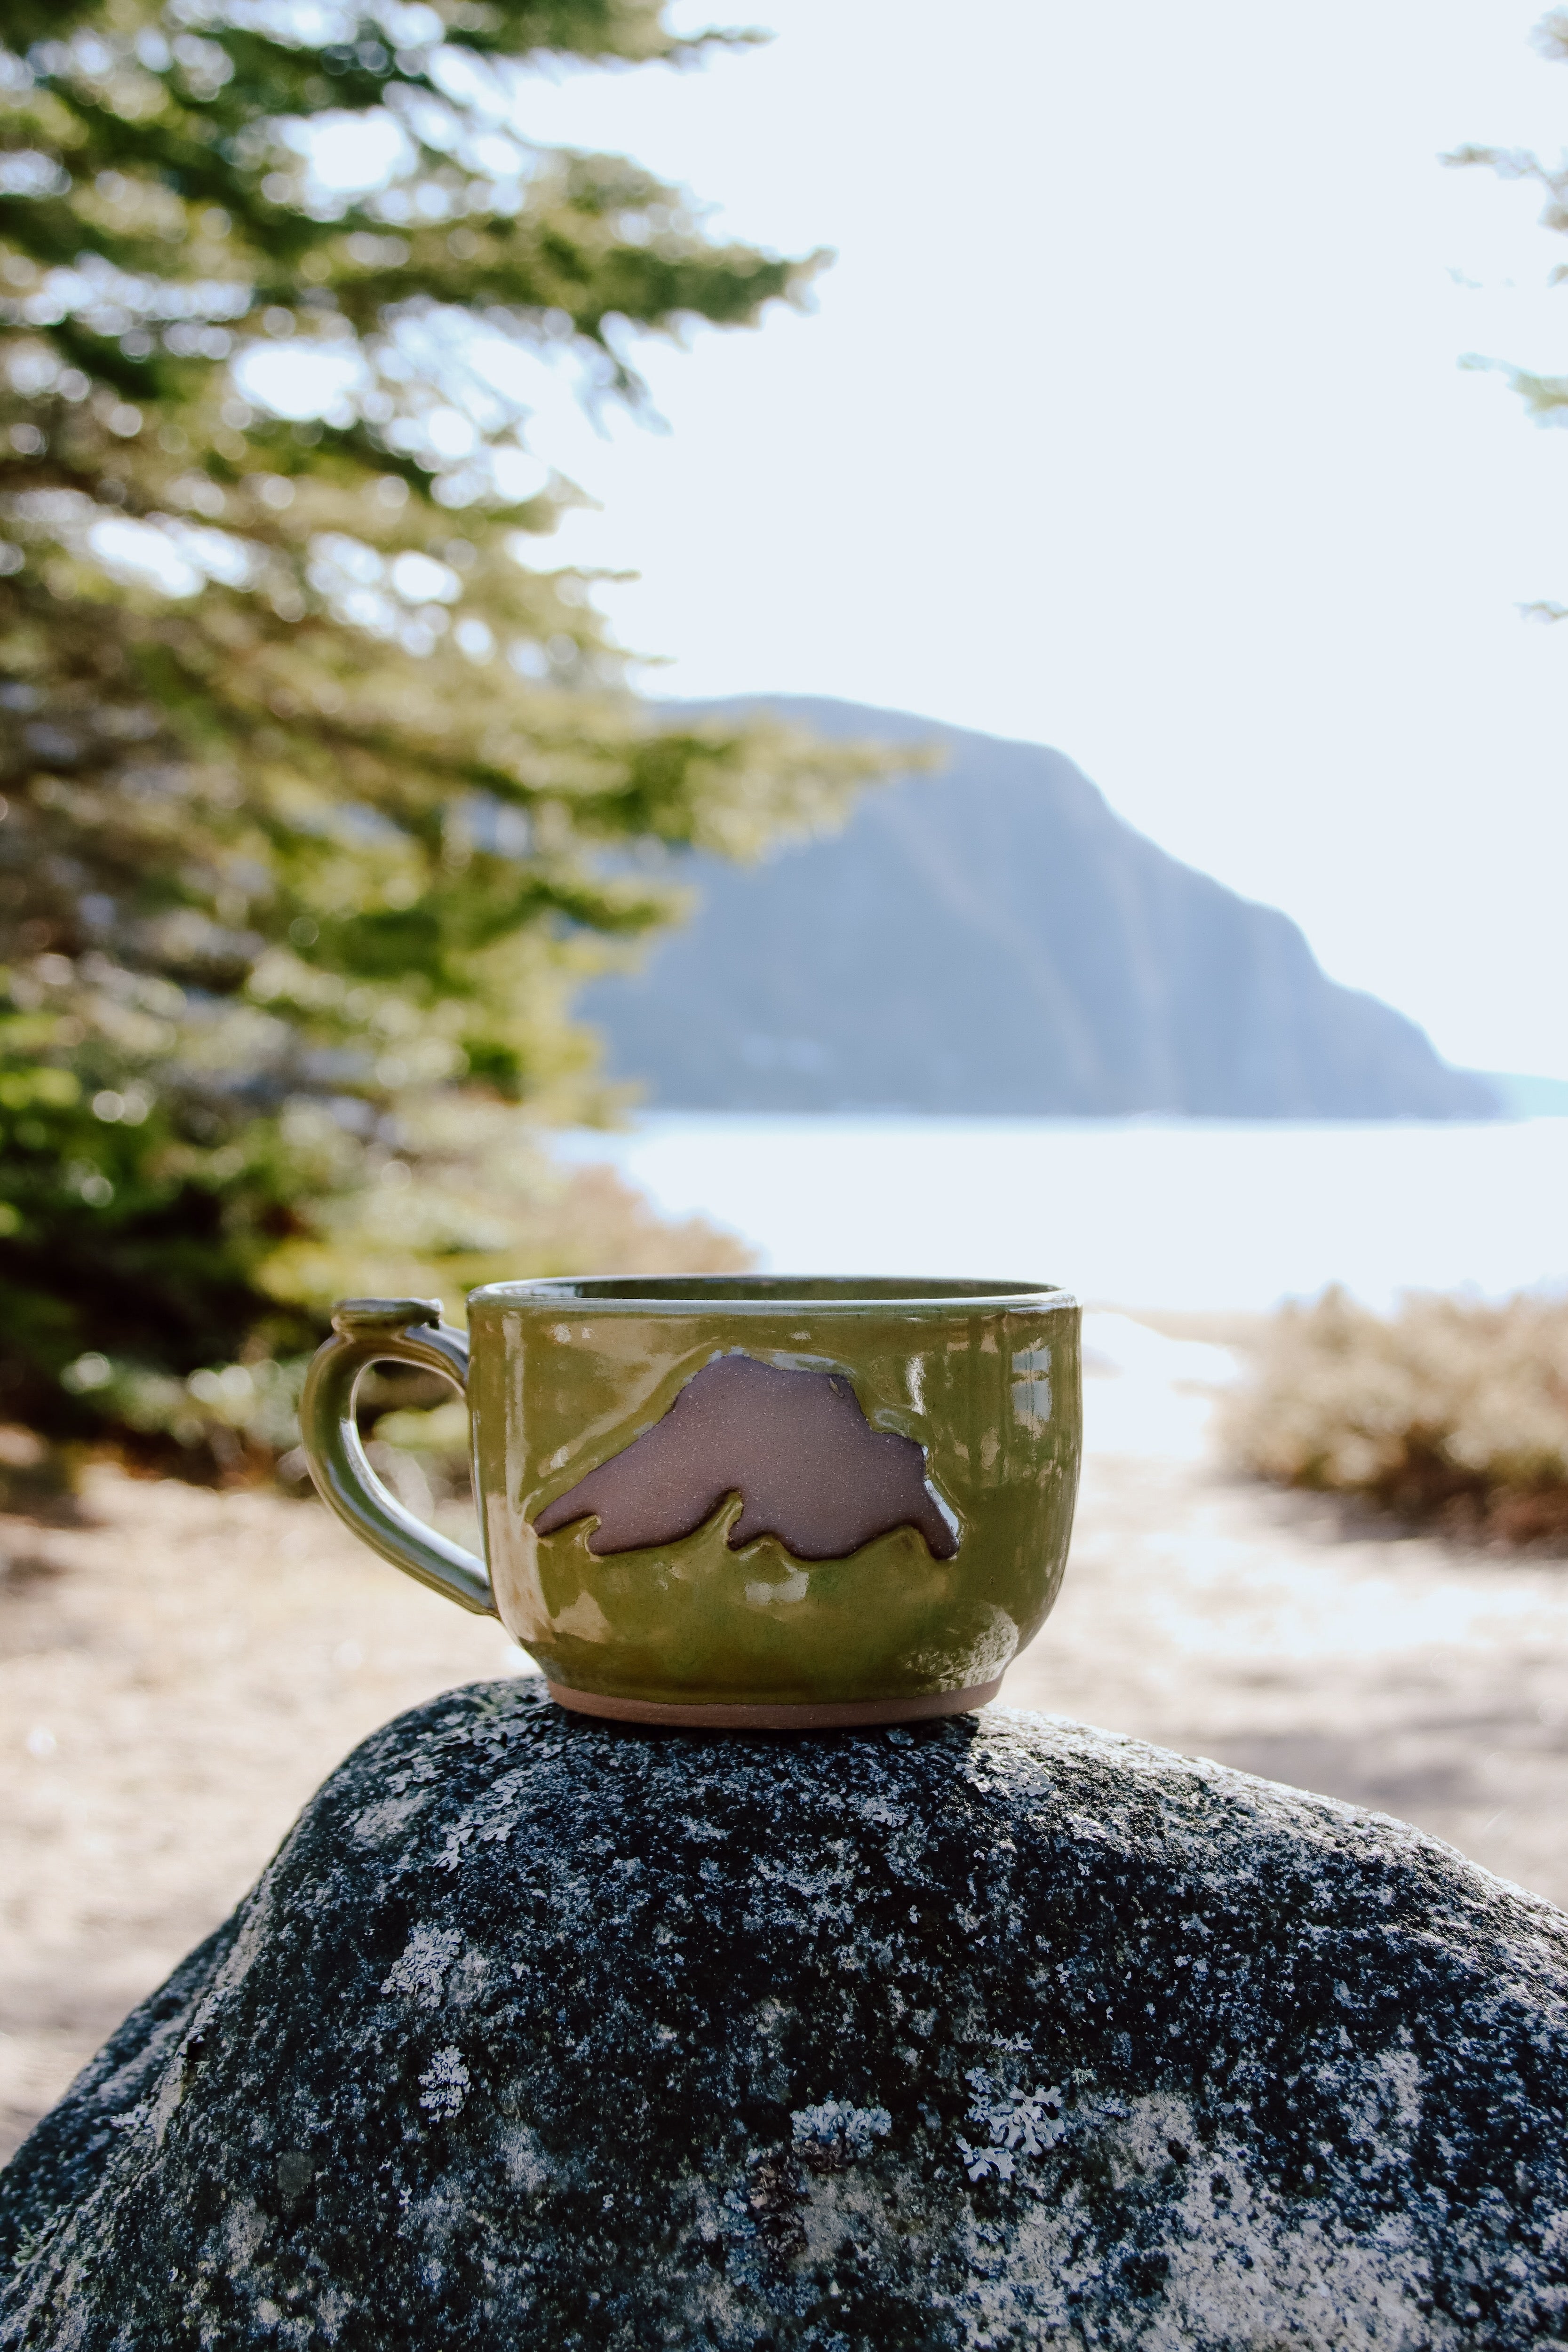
{"type": "Point", "coordinates": [444, 2083]}
{"type": "Point", "coordinates": [379, 1824]}
{"type": "Point", "coordinates": [836, 2132]}
{"type": "Point", "coordinates": [522, 2153]}
{"type": "Point", "coordinates": [244, 2231]}
{"type": "Point", "coordinates": [1230, 2263]}
{"type": "Point", "coordinates": [1016, 2124]}
{"type": "Point", "coordinates": [420, 1970]}
{"type": "Point", "coordinates": [332, 2309]}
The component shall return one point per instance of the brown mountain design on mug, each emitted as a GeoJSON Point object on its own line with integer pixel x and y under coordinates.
{"type": "Point", "coordinates": [795, 1446]}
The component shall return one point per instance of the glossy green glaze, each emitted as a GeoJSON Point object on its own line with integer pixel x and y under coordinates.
{"type": "Point", "coordinates": [564, 1374]}
{"type": "Point", "coordinates": [368, 1331]}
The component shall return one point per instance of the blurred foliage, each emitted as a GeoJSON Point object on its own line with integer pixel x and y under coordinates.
{"type": "Point", "coordinates": [319, 796]}
{"type": "Point", "coordinates": [1448, 1411]}
{"type": "Point", "coordinates": [1546, 396]}
{"type": "Point", "coordinates": [34, 1478]}
{"type": "Point", "coordinates": [488, 1202]}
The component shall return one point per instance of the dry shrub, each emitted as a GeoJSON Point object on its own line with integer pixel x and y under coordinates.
{"type": "Point", "coordinates": [1447, 1412]}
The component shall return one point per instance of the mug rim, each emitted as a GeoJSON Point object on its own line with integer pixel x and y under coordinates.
{"type": "Point", "coordinates": [772, 1294]}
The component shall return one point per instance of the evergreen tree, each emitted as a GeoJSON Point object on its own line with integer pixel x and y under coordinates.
{"type": "Point", "coordinates": [317, 797]}
{"type": "Point", "coordinates": [1546, 396]}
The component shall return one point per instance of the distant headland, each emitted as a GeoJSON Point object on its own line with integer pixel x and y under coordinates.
{"type": "Point", "coordinates": [989, 937]}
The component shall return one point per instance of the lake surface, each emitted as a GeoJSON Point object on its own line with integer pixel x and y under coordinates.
{"type": "Point", "coordinates": [1188, 1214]}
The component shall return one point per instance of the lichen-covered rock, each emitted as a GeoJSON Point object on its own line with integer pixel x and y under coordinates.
{"type": "Point", "coordinates": [541, 2031]}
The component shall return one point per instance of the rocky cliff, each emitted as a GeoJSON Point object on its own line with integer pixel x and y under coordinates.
{"type": "Point", "coordinates": [990, 937]}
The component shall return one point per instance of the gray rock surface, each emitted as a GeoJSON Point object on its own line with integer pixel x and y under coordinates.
{"type": "Point", "coordinates": [999, 2032]}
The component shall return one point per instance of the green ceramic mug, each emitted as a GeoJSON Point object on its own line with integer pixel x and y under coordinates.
{"type": "Point", "coordinates": [739, 1500]}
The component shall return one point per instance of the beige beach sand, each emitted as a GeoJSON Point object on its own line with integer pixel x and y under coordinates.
{"type": "Point", "coordinates": [180, 1669]}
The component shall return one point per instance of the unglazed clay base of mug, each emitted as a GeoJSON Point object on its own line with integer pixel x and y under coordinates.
{"type": "Point", "coordinates": [826, 1714]}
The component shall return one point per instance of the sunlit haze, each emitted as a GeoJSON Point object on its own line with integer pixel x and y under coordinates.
{"type": "Point", "coordinates": [1131, 420]}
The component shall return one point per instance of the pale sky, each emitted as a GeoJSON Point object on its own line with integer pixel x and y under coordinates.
{"type": "Point", "coordinates": [1130, 420]}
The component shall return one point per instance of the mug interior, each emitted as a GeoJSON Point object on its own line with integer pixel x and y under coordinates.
{"type": "Point", "coordinates": [777, 1290]}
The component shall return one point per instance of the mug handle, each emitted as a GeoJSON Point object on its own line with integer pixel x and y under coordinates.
{"type": "Point", "coordinates": [368, 1331]}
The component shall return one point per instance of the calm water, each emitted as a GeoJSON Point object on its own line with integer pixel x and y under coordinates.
{"type": "Point", "coordinates": [1141, 1212]}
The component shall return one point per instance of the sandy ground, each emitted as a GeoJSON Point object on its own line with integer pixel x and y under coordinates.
{"type": "Point", "coordinates": [179, 1670]}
